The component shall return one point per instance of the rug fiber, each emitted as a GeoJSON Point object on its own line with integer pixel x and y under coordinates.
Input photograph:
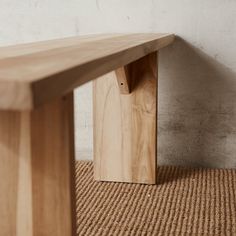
{"type": "Point", "coordinates": [184, 202]}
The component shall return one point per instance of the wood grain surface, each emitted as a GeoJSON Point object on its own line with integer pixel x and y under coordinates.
{"type": "Point", "coordinates": [125, 126]}
{"type": "Point", "coordinates": [37, 171]}
{"type": "Point", "coordinates": [33, 74]}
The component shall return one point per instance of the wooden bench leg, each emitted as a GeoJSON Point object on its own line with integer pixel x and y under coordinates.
{"type": "Point", "coordinates": [125, 123]}
{"type": "Point", "coordinates": [37, 171]}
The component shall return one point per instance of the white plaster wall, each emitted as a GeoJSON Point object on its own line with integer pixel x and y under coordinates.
{"type": "Point", "coordinates": [197, 76]}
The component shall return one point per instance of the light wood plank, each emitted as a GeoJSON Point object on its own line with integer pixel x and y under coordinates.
{"type": "Point", "coordinates": [34, 78]}
{"type": "Point", "coordinates": [125, 129]}
{"type": "Point", "coordinates": [37, 171]}
{"type": "Point", "coordinates": [40, 46]}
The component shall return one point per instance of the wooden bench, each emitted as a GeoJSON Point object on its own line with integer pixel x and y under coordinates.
{"type": "Point", "coordinates": [37, 127]}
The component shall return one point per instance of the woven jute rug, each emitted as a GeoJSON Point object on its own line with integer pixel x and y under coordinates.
{"type": "Point", "coordinates": [184, 202]}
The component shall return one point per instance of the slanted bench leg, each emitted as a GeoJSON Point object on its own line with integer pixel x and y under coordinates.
{"type": "Point", "coordinates": [37, 171]}
{"type": "Point", "coordinates": [125, 123]}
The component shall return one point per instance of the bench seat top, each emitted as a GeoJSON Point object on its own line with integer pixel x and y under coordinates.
{"type": "Point", "coordinates": [34, 73]}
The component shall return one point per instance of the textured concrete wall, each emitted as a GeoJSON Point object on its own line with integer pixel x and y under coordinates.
{"type": "Point", "coordinates": [197, 83]}
{"type": "Point", "coordinates": [197, 76]}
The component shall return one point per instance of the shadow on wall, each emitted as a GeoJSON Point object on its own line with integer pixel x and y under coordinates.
{"type": "Point", "coordinates": [197, 109]}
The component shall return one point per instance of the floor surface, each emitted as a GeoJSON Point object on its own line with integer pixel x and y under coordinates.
{"type": "Point", "coordinates": [184, 202]}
